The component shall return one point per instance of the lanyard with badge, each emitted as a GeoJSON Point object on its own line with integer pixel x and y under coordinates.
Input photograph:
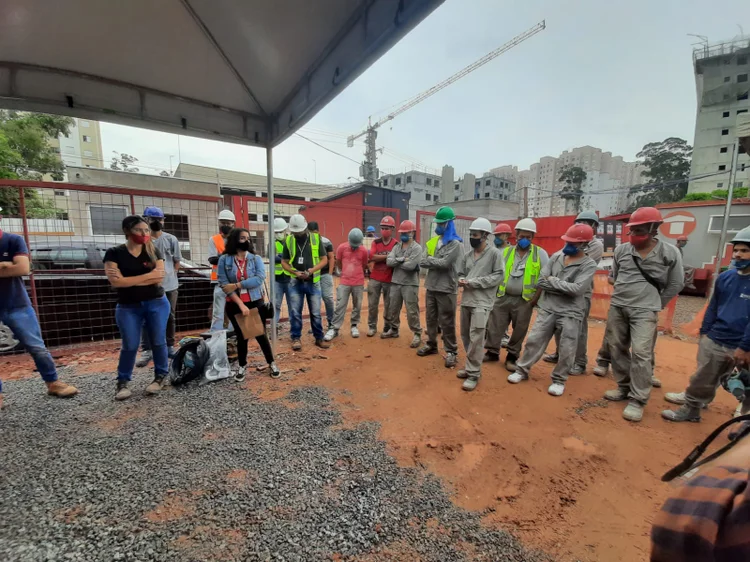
{"type": "Point", "coordinates": [301, 257]}
{"type": "Point", "coordinates": [241, 272]}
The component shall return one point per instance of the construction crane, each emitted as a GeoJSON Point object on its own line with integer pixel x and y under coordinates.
{"type": "Point", "coordinates": [369, 170]}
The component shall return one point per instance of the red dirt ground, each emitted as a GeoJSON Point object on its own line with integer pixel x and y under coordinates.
{"type": "Point", "coordinates": [567, 475]}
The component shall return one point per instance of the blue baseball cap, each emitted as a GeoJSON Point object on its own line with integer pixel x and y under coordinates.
{"type": "Point", "coordinates": [370, 229]}
{"type": "Point", "coordinates": [153, 212]}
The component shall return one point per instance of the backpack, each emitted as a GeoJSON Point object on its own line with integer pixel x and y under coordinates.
{"type": "Point", "coordinates": [189, 362]}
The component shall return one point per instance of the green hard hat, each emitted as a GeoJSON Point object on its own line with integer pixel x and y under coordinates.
{"type": "Point", "coordinates": [588, 216]}
{"type": "Point", "coordinates": [444, 214]}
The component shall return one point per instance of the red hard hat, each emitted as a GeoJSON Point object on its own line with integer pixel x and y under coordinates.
{"type": "Point", "coordinates": [406, 226]}
{"type": "Point", "coordinates": [579, 233]}
{"type": "Point", "coordinates": [645, 215]}
{"type": "Point", "coordinates": [388, 221]}
{"type": "Point", "coordinates": [682, 239]}
{"type": "Point", "coordinates": [503, 228]}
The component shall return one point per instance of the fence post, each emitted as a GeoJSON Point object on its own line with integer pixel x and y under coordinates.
{"type": "Point", "coordinates": [32, 282]}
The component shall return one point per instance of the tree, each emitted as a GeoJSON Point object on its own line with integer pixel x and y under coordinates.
{"type": "Point", "coordinates": [124, 162]}
{"type": "Point", "coordinates": [667, 166]}
{"type": "Point", "coordinates": [573, 176]}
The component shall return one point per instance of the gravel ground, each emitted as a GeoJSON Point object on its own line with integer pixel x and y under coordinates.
{"type": "Point", "coordinates": [686, 309]}
{"type": "Point", "coordinates": [212, 473]}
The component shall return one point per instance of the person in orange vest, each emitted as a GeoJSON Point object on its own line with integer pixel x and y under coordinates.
{"type": "Point", "coordinates": [216, 246]}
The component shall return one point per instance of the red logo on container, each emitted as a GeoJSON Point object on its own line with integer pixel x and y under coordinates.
{"type": "Point", "coordinates": [678, 223]}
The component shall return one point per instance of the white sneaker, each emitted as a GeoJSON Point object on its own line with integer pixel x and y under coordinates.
{"type": "Point", "coordinates": [515, 378]}
{"type": "Point", "coordinates": [330, 334]}
{"type": "Point", "coordinates": [355, 332]}
{"type": "Point", "coordinates": [556, 389]}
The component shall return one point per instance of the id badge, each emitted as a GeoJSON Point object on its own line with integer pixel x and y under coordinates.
{"type": "Point", "coordinates": [300, 261]}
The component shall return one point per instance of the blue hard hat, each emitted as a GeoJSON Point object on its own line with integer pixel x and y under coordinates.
{"type": "Point", "coordinates": [153, 212]}
{"type": "Point", "coordinates": [370, 229]}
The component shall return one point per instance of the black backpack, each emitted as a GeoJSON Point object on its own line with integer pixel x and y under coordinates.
{"type": "Point", "coordinates": [189, 362]}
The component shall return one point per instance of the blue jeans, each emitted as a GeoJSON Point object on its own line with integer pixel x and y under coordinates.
{"type": "Point", "coordinates": [326, 291]}
{"type": "Point", "coordinates": [279, 290]}
{"type": "Point", "coordinates": [298, 291]}
{"type": "Point", "coordinates": [220, 301]}
{"type": "Point", "coordinates": [131, 318]}
{"type": "Point", "coordinates": [25, 326]}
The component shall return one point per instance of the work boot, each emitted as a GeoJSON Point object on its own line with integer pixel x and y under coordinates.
{"type": "Point", "coordinates": [510, 362]}
{"type": "Point", "coordinates": [275, 372]}
{"type": "Point", "coordinates": [683, 413]}
{"type": "Point", "coordinates": [123, 392]}
{"type": "Point", "coordinates": [504, 341]}
{"type": "Point", "coordinates": [144, 359]}
{"type": "Point", "coordinates": [656, 383]}
{"type": "Point", "coordinates": [556, 389]}
{"type": "Point", "coordinates": [322, 344]}
{"type": "Point", "coordinates": [490, 357]}
{"type": "Point", "coordinates": [296, 345]}
{"type": "Point", "coordinates": [371, 332]}
{"type": "Point", "coordinates": [633, 412]}
{"type": "Point", "coordinates": [577, 370]}
{"type": "Point", "coordinates": [551, 357]}
{"type": "Point", "coordinates": [1, 401]}
{"type": "Point", "coordinates": [156, 386]}
{"type": "Point", "coordinates": [450, 360]}
{"type": "Point", "coordinates": [616, 395]}
{"type": "Point", "coordinates": [416, 341]}
{"type": "Point", "coordinates": [675, 398]}
{"type": "Point", "coordinates": [388, 334]}
{"type": "Point", "coordinates": [332, 333]}
{"type": "Point", "coordinates": [601, 369]}
{"type": "Point", "coordinates": [61, 390]}
{"type": "Point", "coordinates": [462, 374]}
{"type": "Point", "coordinates": [355, 332]}
{"type": "Point", "coordinates": [470, 384]}
{"type": "Point", "coordinates": [515, 378]}
{"type": "Point", "coordinates": [426, 350]}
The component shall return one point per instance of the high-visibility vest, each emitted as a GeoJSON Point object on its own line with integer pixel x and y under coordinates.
{"type": "Point", "coordinates": [279, 270]}
{"type": "Point", "coordinates": [291, 243]}
{"type": "Point", "coordinates": [431, 245]}
{"type": "Point", "coordinates": [530, 274]}
{"type": "Point", "coordinates": [219, 243]}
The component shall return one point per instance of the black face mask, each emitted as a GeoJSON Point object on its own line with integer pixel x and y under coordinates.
{"type": "Point", "coordinates": [475, 242]}
{"type": "Point", "coordinates": [156, 226]}
{"type": "Point", "coordinates": [225, 229]}
{"type": "Point", "coordinates": [244, 246]}
{"type": "Point", "coordinates": [300, 235]}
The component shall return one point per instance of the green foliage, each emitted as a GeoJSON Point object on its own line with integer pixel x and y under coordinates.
{"type": "Point", "coordinates": [697, 197]}
{"type": "Point", "coordinates": [573, 176]}
{"type": "Point", "coordinates": [37, 207]}
{"type": "Point", "coordinates": [667, 170]}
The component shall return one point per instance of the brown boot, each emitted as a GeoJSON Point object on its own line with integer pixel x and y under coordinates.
{"type": "Point", "coordinates": [156, 386]}
{"type": "Point", "coordinates": [61, 389]}
{"type": "Point", "coordinates": [1, 401]}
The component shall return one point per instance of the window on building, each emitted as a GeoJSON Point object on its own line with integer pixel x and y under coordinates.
{"type": "Point", "coordinates": [428, 197]}
{"type": "Point", "coordinates": [486, 195]}
{"type": "Point", "coordinates": [737, 184]}
{"type": "Point", "coordinates": [727, 78]}
{"type": "Point", "coordinates": [85, 124]}
{"type": "Point", "coordinates": [487, 182]}
{"type": "Point", "coordinates": [742, 78]}
{"type": "Point", "coordinates": [725, 114]}
{"type": "Point", "coordinates": [86, 138]}
{"type": "Point", "coordinates": [56, 149]}
{"type": "Point", "coordinates": [435, 199]}
{"type": "Point", "coordinates": [61, 193]}
{"type": "Point", "coordinates": [408, 179]}
{"type": "Point", "coordinates": [742, 59]}
{"type": "Point", "coordinates": [477, 183]}
{"type": "Point", "coordinates": [741, 111]}
{"type": "Point", "coordinates": [398, 181]}
{"type": "Point", "coordinates": [437, 183]}
{"type": "Point", "coordinates": [428, 181]}
{"type": "Point", "coordinates": [253, 217]}
{"type": "Point", "coordinates": [88, 153]}
{"type": "Point", "coordinates": [724, 132]}
{"type": "Point", "coordinates": [720, 184]}
{"type": "Point", "coordinates": [736, 223]}
{"type": "Point", "coordinates": [723, 150]}
{"type": "Point", "coordinates": [107, 219]}
{"type": "Point", "coordinates": [456, 187]}
{"type": "Point", "coordinates": [722, 167]}
{"type": "Point", "coordinates": [385, 183]}
{"type": "Point", "coordinates": [742, 97]}
{"type": "Point", "coordinates": [455, 198]}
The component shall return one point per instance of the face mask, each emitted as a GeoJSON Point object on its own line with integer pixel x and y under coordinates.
{"type": "Point", "coordinates": [385, 232]}
{"type": "Point", "coordinates": [741, 264]}
{"type": "Point", "coordinates": [155, 226]}
{"type": "Point", "coordinates": [524, 243]}
{"type": "Point", "coordinates": [225, 229]}
{"type": "Point", "coordinates": [244, 246]}
{"type": "Point", "coordinates": [570, 249]}
{"type": "Point", "coordinates": [475, 242]}
{"type": "Point", "coordinates": [405, 238]}
{"type": "Point", "coordinates": [140, 238]}
{"type": "Point", "coordinates": [499, 242]}
{"type": "Point", "coordinates": [300, 235]}
{"type": "Point", "coordinates": [440, 230]}
{"type": "Point", "coordinates": [353, 247]}
{"type": "Point", "coordinates": [639, 240]}
{"type": "Point", "coordinates": [280, 236]}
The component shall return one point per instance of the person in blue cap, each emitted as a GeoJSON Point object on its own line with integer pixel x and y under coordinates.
{"type": "Point", "coordinates": [370, 232]}
{"type": "Point", "coordinates": [169, 248]}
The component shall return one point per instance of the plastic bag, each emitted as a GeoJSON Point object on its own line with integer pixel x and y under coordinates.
{"type": "Point", "coordinates": [217, 367]}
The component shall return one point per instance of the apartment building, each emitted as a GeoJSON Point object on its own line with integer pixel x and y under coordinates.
{"type": "Point", "coordinates": [722, 83]}
{"type": "Point", "coordinates": [425, 188]}
{"type": "Point", "coordinates": [82, 146]}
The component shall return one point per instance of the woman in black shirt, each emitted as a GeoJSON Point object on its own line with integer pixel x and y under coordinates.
{"type": "Point", "coordinates": [136, 270]}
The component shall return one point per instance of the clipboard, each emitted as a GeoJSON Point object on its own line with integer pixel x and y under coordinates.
{"type": "Point", "coordinates": [251, 325]}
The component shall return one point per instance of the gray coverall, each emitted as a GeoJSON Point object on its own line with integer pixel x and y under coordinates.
{"type": "Point", "coordinates": [440, 298]}
{"type": "Point", "coordinates": [561, 307]}
{"type": "Point", "coordinates": [405, 285]}
{"type": "Point", "coordinates": [482, 274]}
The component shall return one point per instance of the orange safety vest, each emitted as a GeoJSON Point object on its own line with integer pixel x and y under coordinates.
{"type": "Point", "coordinates": [219, 243]}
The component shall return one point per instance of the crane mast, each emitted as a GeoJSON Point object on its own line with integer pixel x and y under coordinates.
{"type": "Point", "coordinates": [369, 169]}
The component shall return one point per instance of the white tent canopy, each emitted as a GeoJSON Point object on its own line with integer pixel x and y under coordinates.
{"type": "Point", "coordinates": [246, 71]}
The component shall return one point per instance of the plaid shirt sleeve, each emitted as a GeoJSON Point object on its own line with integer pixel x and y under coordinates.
{"type": "Point", "coordinates": [707, 518]}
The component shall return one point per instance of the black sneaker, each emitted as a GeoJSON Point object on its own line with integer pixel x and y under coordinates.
{"type": "Point", "coordinates": [275, 372]}
{"type": "Point", "coordinates": [426, 350]}
{"type": "Point", "coordinates": [491, 357]}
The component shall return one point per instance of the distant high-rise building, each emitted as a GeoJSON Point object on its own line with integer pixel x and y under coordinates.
{"type": "Point", "coordinates": [722, 84]}
{"type": "Point", "coordinates": [82, 146]}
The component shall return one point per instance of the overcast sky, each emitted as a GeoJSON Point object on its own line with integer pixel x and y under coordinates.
{"type": "Point", "coordinates": [614, 75]}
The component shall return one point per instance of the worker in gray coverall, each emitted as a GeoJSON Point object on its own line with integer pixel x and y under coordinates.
{"type": "Point", "coordinates": [404, 259]}
{"type": "Point", "coordinates": [480, 273]}
{"type": "Point", "coordinates": [441, 259]}
{"type": "Point", "coordinates": [594, 250]}
{"type": "Point", "coordinates": [648, 274]}
{"type": "Point", "coordinates": [560, 293]}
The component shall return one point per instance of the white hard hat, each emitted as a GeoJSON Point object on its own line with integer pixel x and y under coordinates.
{"type": "Point", "coordinates": [226, 215]}
{"type": "Point", "coordinates": [279, 225]}
{"type": "Point", "coordinates": [297, 223]}
{"type": "Point", "coordinates": [482, 225]}
{"type": "Point", "coordinates": [526, 224]}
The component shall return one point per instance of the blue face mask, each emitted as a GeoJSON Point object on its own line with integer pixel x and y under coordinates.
{"type": "Point", "coordinates": [570, 249]}
{"type": "Point", "coordinates": [499, 242]}
{"type": "Point", "coordinates": [440, 230]}
{"type": "Point", "coordinates": [405, 238]}
{"type": "Point", "coordinates": [524, 243]}
{"type": "Point", "coordinates": [741, 264]}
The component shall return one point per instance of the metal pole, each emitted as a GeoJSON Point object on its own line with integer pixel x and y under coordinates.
{"type": "Point", "coordinates": [271, 242]}
{"type": "Point", "coordinates": [728, 208]}
{"type": "Point", "coordinates": [25, 223]}
{"type": "Point", "coordinates": [525, 201]}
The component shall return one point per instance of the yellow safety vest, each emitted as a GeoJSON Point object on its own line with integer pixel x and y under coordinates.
{"type": "Point", "coordinates": [530, 274]}
{"type": "Point", "coordinates": [432, 244]}
{"type": "Point", "coordinates": [291, 243]}
{"type": "Point", "coordinates": [279, 270]}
